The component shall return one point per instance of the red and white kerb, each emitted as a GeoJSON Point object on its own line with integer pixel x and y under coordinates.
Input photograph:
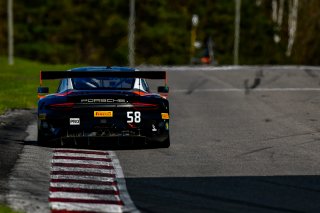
{"type": "Point", "coordinates": [87, 181]}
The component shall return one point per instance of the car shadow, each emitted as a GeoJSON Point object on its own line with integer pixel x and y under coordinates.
{"type": "Point", "coordinates": [226, 194]}
{"type": "Point", "coordinates": [97, 145]}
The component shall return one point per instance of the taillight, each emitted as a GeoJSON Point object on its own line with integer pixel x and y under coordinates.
{"type": "Point", "coordinates": [141, 105]}
{"type": "Point", "coordinates": [64, 94]}
{"type": "Point", "coordinates": [61, 106]}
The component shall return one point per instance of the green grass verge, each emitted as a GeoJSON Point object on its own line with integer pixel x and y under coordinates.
{"type": "Point", "coordinates": [5, 209]}
{"type": "Point", "coordinates": [19, 82]}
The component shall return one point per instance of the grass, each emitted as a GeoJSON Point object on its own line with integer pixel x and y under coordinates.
{"type": "Point", "coordinates": [5, 209]}
{"type": "Point", "coordinates": [19, 82]}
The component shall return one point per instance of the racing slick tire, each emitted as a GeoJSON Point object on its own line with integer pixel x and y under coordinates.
{"type": "Point", "coordinates": [42, 140]}
{"type": "Point", "coordinates": [165, 143]}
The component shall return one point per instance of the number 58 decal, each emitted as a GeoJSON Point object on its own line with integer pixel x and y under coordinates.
{"type": "Point", "coordinates": [133, 117]}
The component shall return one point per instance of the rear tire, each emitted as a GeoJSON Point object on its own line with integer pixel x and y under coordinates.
{"type": "Point", "coordinates": [165, 144]}
{"type": "Point", "coordinates": [42, 140]}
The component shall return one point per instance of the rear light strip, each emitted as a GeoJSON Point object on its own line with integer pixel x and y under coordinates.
{"type": "Point", "coordinates": [141, 104]}
{"type": "Point", "coordinates": [62, 105]}
{"type": "Point", "coordinates": [64, 94]}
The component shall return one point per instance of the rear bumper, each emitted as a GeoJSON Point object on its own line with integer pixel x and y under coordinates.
{"type": "Point", "coordinates": [116, 140]}
{"type": "Point", "coordinates": [58, 126]}
{"type": "Point", "coordinates": [107, 136]}
{"type": "Point", "coordinates": [149, 128]}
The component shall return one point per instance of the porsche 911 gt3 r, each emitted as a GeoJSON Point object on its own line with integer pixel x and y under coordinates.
{"type": "Point", "coordinates": [104, 104]}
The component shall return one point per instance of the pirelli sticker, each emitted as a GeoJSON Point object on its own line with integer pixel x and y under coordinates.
{"type": "Point", "coordinates": [165, 116]}
{"type": "Point", "coordinates": [42, 116]}
{"type": "Point", "coordinates": [103, 114]}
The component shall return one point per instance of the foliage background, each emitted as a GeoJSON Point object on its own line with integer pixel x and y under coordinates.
{"type": "Point", "coordinates": [95, 31]}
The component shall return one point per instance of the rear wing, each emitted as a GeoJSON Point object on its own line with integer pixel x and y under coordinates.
{"type": "Point", "coordinates": [50, 75]}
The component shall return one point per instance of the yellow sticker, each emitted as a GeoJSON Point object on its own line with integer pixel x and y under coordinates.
{"type": "Point", "coordinates": [167, 126]}
{"type": "Point", "coordinates": [165, 116]}
{"type": "Point", "coordinates": [105, 114]}
{"type": "Point", "coordinates": [42, 116]}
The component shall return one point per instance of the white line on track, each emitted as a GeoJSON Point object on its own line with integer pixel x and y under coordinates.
{"type": "Point", "coordinates": [86, 196]}
{"type": "Point", "coordinates": [243, 90]}
{"type": "Point", "coordinates": [76, 177]}
{"type": "Point", "coordinates": [78, 151]}
{"type": "Point", "coordinates": [81, 162]}
{"type": "Point", "coordinates": [239, 68]}
{"type": "Point", "coordinates": [78, 169]}
{"type": "Point", "coordinates": [83, 186]}
{"type": "Point", "coordinates": [76, 155]}
{"type": "Point", "coordinates": [88, 207]}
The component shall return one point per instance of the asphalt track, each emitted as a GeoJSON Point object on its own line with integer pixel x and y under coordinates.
{"type": "Point", "coordinates": [243, 140]}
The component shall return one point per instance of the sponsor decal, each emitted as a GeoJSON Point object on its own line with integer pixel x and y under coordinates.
{"type": "Point", "coordinates": [103, 100]}
{"type": "Point", "coordinates": [74, 121]}
{"type": "Point", "coordinates": [167, 126]}
{"type": "Point", "coordinates": [105, 114]}
{"type": "Point", "coordinates": [154, 128]}
{"type": "Point", "coordinates": [42, 116]}
{"type": "Point", "coordinates": [165, 116]}
{"type": "Point", "coordinates": [103, 121]}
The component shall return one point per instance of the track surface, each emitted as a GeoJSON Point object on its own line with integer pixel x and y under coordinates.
{"type": "Point", "coordinates": [242, 141]}
{"type": "Point", "coordinates": [234, 151]}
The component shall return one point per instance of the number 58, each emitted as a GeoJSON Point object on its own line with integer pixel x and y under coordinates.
{"type": "Point", "coordinates": [133, 117]}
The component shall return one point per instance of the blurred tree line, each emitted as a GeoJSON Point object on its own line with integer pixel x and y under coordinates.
{"type": "Point", "coordinates": [95, 31]}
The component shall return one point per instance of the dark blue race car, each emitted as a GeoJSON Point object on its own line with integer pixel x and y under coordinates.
{"type": "Point", "coordinates": [103, 104]}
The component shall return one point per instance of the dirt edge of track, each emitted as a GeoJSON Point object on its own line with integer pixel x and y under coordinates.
{"type": "Point", "coordinates": [13, 124]}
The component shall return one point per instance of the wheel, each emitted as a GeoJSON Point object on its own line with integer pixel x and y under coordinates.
{"type": "Point", "coordinates": [42, 140]}
{"type": "Point", "coordinates": [165, 144]}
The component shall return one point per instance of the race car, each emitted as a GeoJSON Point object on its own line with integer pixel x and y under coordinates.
{"type": "Point", "coordinates": [103, 104]}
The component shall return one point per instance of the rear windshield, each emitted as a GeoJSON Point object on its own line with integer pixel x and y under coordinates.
{"type": "Point", "coordinates": [102, 83]}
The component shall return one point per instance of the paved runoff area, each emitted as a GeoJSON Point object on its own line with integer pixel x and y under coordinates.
{"type": "Point", "coordinates": [243, 139]}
